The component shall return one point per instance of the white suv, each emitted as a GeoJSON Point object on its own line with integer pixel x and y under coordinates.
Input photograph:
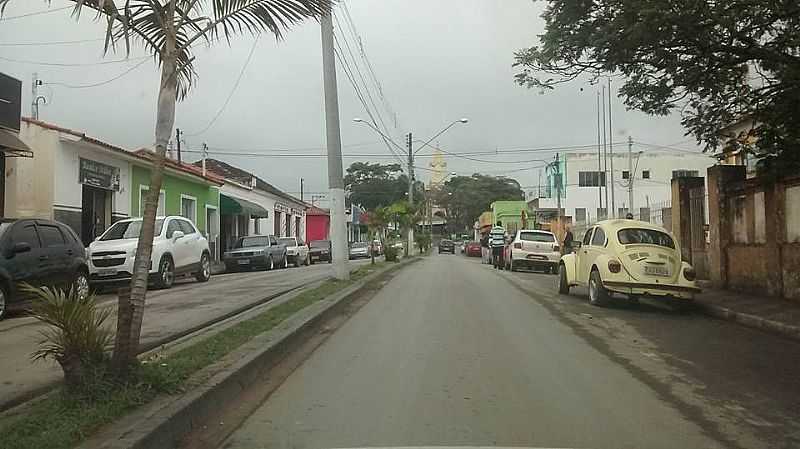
{"type": "Point", "coordinates": [533, 249]}
{"type": "Point", "coordinates": [178, 249]}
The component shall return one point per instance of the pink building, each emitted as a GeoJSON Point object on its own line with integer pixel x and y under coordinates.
{"type": "Point", "coordinates": [318, 224]}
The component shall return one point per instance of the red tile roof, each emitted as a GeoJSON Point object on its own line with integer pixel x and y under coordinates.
{"type": "Point", "coordinates": [143, 154]}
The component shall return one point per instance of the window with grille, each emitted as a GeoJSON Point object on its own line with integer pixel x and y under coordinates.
{"type": "Point", "coordinates": [685, 174]}
{"type": "Point", "coordinates": [591, 179]}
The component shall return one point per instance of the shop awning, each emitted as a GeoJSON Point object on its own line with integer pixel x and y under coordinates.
{"type": "Point", "coordinates": [11, 145]}
{"type": "Point", "coordinates": [237, 206]}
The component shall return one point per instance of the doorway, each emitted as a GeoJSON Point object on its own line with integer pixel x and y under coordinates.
{"type": "Point", "coordinates": [95, 212]}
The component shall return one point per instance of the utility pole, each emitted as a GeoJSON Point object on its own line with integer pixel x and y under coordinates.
{"type": "Point", "coordinates": [599, 164]}
{"type": "Point", "coordinates": [410, 145]}
{"type": "Point", "coordinates": [631, 174]}
{"type": "Point", "coordinates": [611, 151]}
{"type": "Point", "coordinates": [178, 141]}
{"type": "Point", "coordinates": [205, 155]}
{"type": "Point", "coordinates": [604, 181]}
{"type": "Point", "coordinates": [302, 182]}
{"type": "Point", "coordinates": [558, 186]}
{"type": "Point", "coordinates": [338, 236]}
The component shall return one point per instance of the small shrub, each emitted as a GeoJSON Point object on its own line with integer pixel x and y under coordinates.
{"type": "Point", "coordinates": [76, 336]}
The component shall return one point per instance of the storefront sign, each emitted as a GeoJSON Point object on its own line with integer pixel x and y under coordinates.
{"type": "Point", "coordinates": [99, 175]}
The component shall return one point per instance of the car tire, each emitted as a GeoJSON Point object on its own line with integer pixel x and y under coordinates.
{"type": "Point", "coordinates": [598, 295]}
{"type": "Point", "coordinates": [4, 298]}
{"type": "Point", "coordinates": [563, 283]}
{"type": "Point", "coordinates": [166, 273]}
{"type": "Point", "coordinates": [204, 274]}
{"type": "Point", "coordinates": [80, 285]}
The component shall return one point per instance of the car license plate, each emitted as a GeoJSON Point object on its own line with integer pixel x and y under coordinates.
{"type": "Point", "coordinates": [107, 272]}
{"type": "Point", "coordinates": [536, 257]}
{"type": "Point", "coordinates": [656, 270]}
{"type": "Point", "coordinates": [243, 261]}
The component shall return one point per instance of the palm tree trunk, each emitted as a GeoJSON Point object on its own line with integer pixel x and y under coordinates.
{"type": "Point", "coordinates": [132, 299]}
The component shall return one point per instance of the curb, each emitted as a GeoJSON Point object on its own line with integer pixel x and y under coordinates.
{"type": "Point", "coordinates": [752, 321]}
{"type": "Point", "coordinates": [164, 422]}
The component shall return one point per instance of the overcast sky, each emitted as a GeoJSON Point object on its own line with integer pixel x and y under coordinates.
{"type": "Point", "coordinates": [437, 61]}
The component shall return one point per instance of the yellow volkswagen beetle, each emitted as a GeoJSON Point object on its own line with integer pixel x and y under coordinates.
{"type": "Point", "coordinates": [630, 257]}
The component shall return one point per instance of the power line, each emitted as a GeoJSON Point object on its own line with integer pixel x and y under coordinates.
{"type": "Point", "coordinates": [101, 83]}
{"type": "Point", "coordinates": [36, 13]}
{"type": "Point", "coordinates": [230, 94]}
{"type": "Point", "coordinates": [75, 64]}
{"type": "Point", "coordinates": [48, 44]}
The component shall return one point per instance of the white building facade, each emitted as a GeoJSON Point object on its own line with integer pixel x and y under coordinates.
{"type": "Point", "coordinates": [586, 192]}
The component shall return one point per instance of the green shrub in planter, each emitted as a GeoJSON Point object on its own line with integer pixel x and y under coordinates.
{"type": "Point", "coordinates": [390, 252]}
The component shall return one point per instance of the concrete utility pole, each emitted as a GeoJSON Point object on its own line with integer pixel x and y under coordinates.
{"type": "Point", "coordinates": [302, 182]}
{"type": "Point", "coordinates": [338, 230]}
{"type": "Point", "coordinates": [35, 97]}
{"type": "Point", "coordinates": [611, 151]}
{"type": "Point", "coordinates": [631, 174]}
{"type": "Point", "coordinates": [599, 163]}
{"type": "Point", "coordinates": [558, 186]}
{"type": "Point", "coordinates": [604, 181]}
{"type": "Point", "coordinates": [410, 145]}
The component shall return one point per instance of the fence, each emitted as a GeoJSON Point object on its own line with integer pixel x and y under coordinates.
{"type": "Point", "coordinates": [659, 213]}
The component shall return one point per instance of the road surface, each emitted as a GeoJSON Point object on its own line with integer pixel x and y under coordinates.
{"type": "Point", "coordinates": [167, 312]}
{"type": "Point", "coordinates": [450, 352]}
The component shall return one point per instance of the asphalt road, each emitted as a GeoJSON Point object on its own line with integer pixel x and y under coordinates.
{"type": "Point", "coordinates": [451, 352]}
{"type": "Point", "coordinates": [167, 312]}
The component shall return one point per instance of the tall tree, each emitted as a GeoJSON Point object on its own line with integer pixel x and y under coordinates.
{"type": "Point", "coordinates": [716, 61]}
{"type": "Point", "coordinates": [466, 197]}
{"type": "Point", "coordinates": [168, 29]}
{"type": "Point", "coordinates": [376, 185]}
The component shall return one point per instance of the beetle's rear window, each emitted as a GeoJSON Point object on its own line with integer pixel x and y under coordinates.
{"type": "Point", "coordinates": [634, 236]}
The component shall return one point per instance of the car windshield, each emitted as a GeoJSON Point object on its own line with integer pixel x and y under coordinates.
{"type": "Point", "coordinates": [249, 242]}
{"type": "Point", "coordinates": [635, 236]}
{"type": "Point", "coordinates": [447, 242]}
{"type": "Point", "coordinates": [320, 244]}
{"type": "Point", "coordinates": [537, 237]}
{"type": "Point", "coordinates": [288, 241]}
{"type": "Point", "coordinates": [128, 230]}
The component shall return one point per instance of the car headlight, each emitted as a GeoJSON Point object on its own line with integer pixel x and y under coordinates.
{"type": "Point", "coordinates": [689, 274]}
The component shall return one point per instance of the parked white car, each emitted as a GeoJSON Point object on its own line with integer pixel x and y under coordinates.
{"type": "Point", "coordinates": [178, 249]}
{"type": "Point", "coordinates": [296, 250]}
{"type": "Point", "coordinates": [533, 249]}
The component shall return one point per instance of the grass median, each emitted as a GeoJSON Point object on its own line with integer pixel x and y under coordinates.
{"type": "Point", "coordinates": [63, 419]}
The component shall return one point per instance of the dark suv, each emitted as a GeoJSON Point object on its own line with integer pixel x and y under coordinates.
{"type": "Point", "coordinates": [40, 253]}
{"type": "Point", "coordinates": [447, 246]}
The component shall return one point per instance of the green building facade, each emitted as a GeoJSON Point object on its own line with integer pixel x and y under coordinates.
{"type": "Point", "coordinates": [182, 193]}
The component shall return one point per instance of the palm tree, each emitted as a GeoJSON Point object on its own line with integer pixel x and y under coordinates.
{"type": "Point", "coordinates": [168, 29]}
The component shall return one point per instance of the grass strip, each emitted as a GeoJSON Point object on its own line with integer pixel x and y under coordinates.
{"type": "Point", "coordinates": [64, 419]}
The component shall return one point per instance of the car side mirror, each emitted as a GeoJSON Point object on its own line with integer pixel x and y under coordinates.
{"type": "Point", "coordinates": [577, 244]}
{"type": "Point", "coordinates": [20, 247]}
{"type": "Point", "coordinates": [177, 234]}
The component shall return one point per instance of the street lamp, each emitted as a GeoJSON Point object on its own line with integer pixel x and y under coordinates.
{"type": "Point", "coordinates": [463, 120]}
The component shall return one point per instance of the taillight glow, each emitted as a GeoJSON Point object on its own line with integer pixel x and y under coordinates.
{"type": "Point", "coordinates": [518, 245]}
{"type": "Point", "coordinates": [556, 248]}
{"type": "Point", "coordinates": [614, 266]}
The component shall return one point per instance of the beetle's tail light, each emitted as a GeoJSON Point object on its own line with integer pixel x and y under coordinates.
{"type": "Point", "coordinates": [518, 245]}
{"type": "Point", "coordinates": [614, 266]}
{"type": "Point", "coordinates": [689, 273]}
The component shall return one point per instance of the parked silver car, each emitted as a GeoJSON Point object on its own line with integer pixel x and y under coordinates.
{"type": "Point", "coordinates": [260, 251]}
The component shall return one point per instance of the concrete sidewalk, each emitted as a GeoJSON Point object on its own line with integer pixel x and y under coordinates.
{"type": "Point", "coordinates": [776, 315]}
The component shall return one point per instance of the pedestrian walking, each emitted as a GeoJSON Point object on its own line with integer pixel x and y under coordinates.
{"type": "Point", "coordinates": [566, 248]}
{"type": "Point", "coordinates": [497, 240]}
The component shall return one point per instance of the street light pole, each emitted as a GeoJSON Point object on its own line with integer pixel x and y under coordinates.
{"type": "Point", "coordinates": [341, 270]}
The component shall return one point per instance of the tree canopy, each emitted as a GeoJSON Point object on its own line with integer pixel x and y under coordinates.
{"type": "Point", "coordinates": [376, 185]}
{"type": "Point", "coordinates": [466, 197]}
{"type": "Point", "coordinates": [717, 62]}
